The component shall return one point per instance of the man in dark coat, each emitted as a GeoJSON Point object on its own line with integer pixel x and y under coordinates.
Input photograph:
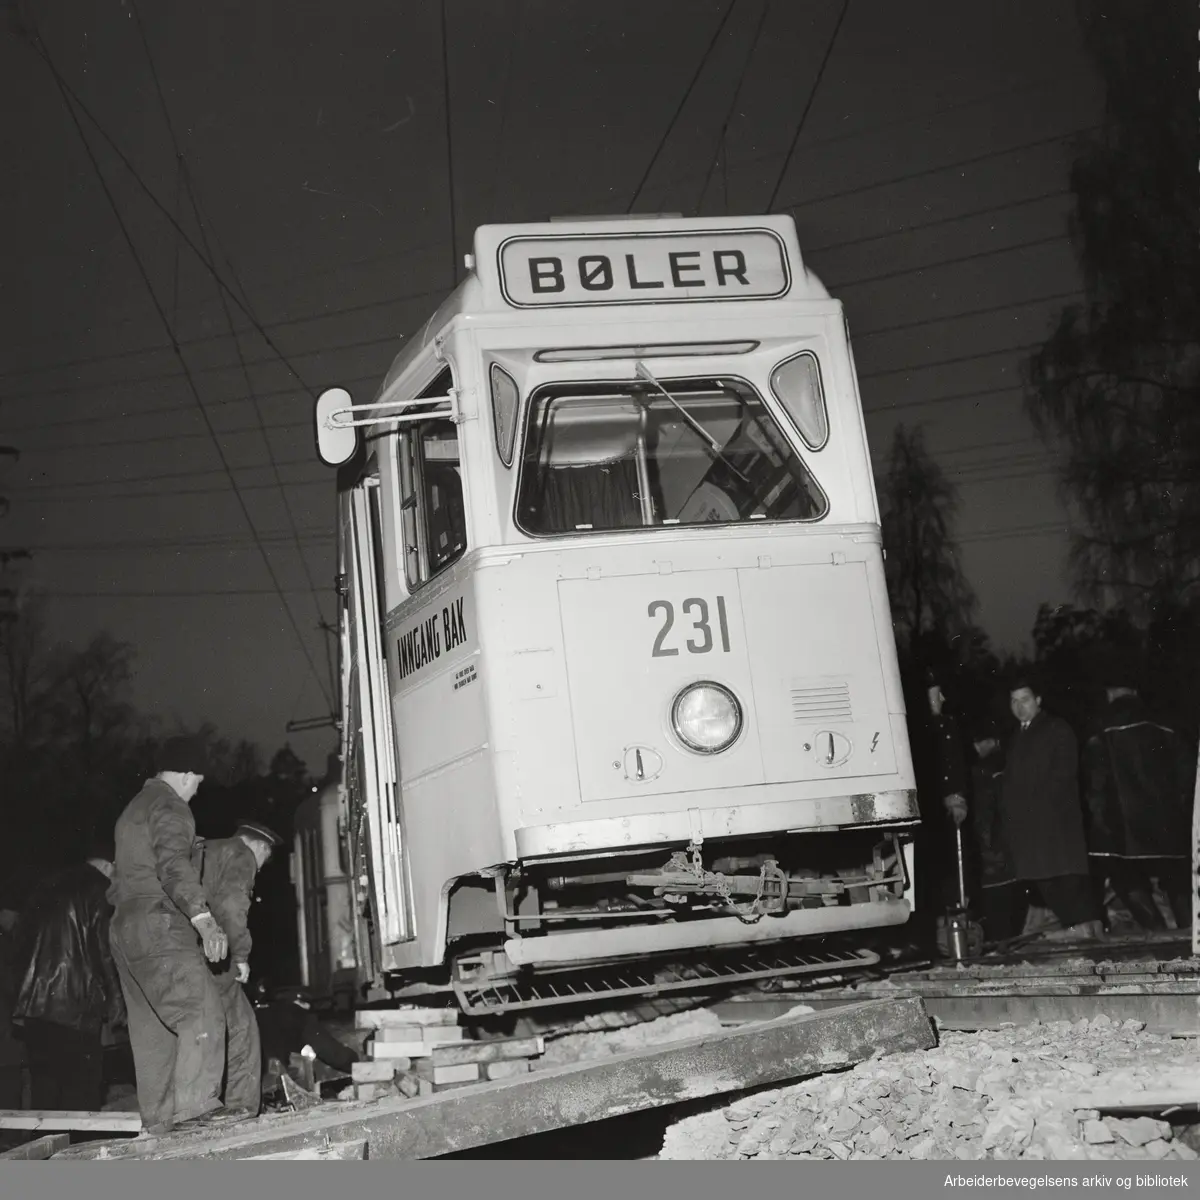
{"type": "Point", "coordinates": [1001, 898]}
{"type": "Point", "coordinates": [1041, 814]}
{"type": "Point", "coordinates": [1138, 780]}
{"type": "Point", "coordinates": [288, 1024]}
{"type": "Point", "coordinates": [162, 932]}
{"type": "Point", "coordinates": [70, 991]}
{"type": "Point", "coordinates": [228, 868]}
{"type": "Point", "coordinates": [950, 778]}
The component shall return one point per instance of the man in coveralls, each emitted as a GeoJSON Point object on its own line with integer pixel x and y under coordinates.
{"type": "Point", "coordinates": [227, 868]}
{"type": "Point", "coordinates": [161, 934]}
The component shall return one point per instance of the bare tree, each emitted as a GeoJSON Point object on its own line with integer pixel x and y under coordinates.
{"type": "Point", "coordinates": [23, 667]}
{"type": "Point", "coordinates": [1119, 379]}
{"type": "Point", "coordinates": [930, 595]}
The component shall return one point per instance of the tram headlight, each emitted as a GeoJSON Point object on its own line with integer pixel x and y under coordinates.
{"type": "Point", "coordinates": [706, 717]}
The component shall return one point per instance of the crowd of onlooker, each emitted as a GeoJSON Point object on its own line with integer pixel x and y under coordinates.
{"type": "Point", "coordinates": [1082, 825]}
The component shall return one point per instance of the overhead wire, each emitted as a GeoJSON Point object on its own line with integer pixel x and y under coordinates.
{"type": "Point", "coordinates": [190, 343]}
{"type": "Point", "coordinates": [832, 282]}
{"type": "Point", "coordinates": [416, 295]}
{"type": "Point", "coordinates": [682, 104]}
{"type": "Point", "coordinates": [424, 247]}
{"type": "Point", "coordinates": [449, 149]}
{"type": "Point", "coordinates": [925, 172]}
{"type": "Point", "coordinates": [67, 91]}
{"type": "Point", "coordinates": [279, 426]}
{"type": "Point", "coordinates": [518, 34]}
{"type": "Point", "coordinates": [186, 174]}
{"type": "Point", "coordinates": [812, 95]}
{"type": "Point", "coordinates": [48, 59]}
{"type": "Point", "coordinates": [1025, 87]}
{"type": "Point", "coordinates": [719, 149]}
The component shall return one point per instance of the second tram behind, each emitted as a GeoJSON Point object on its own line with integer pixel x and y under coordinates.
{"type": "Point", "coordinates": [619, 683]}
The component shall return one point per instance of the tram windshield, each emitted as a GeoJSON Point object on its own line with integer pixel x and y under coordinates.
{"type": "Point", "coordinates": [597, 458]}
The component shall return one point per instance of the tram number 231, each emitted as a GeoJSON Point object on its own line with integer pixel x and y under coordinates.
{"type": "Point", "coordinates": [697, 611]}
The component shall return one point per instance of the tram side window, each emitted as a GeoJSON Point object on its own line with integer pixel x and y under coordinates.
{"type": "Point", "coordinates": [435, 527]}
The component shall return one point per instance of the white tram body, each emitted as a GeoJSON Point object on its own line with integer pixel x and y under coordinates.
{"type": "Point", "coordinates": [619, 678]}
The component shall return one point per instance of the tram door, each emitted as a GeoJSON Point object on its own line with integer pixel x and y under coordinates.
{"type": "Point", "coordinates": [374, 804]}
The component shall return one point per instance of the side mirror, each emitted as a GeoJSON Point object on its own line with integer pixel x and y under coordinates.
{"type": "Point", "coordinates": [336, 443]}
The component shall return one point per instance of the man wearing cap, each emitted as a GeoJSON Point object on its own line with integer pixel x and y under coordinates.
{"type": "Point", "coordinates": [1138, 778]}
{"type": "Point", "coordinates": [162, 933]}
{"type": "Point", "coordinates": [228, 868]}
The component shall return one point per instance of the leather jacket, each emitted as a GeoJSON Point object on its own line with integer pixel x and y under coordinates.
{"type": "Point", "coordinates": [69, 976]}
{"type": "Point", "coordinates": [1138, 780]}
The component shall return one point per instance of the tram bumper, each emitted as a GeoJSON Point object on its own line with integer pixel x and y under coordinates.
{"type": "Point", "coordinates": [639, 940]}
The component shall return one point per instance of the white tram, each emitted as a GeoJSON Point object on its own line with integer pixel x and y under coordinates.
{"type": "Point", "coordinates": [621, 705]}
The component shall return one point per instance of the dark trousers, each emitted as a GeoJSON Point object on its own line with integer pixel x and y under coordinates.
{"type": "Point", "coordinates": [1002, 909]}
{"type": "Point", "coordinates": [243, 1046]}
{"type": "Point", "coordinates": [1132, 880]}
{"type": "Point", "coordinates": [1068, 897]}
{"type": "Point", "coordinates": [176, 1018]}
{"type": "Point", "coordinates": [66, 1067]}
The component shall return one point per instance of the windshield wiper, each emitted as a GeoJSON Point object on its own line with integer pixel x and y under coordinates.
{"type": "Point", "coordinates": [643, 372]}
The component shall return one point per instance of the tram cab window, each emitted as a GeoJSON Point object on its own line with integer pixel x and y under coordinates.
{"type": "Point", "coordinates": [431, 499]}
{"type": "Point", "coordinates": [599, 457]}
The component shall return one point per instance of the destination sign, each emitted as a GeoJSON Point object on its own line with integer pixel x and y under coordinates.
{"type": "Point", "coordinates": [643, 268]}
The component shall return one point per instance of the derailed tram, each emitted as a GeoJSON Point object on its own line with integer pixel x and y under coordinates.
{"type": "Point", "coordinates": [620, 698]}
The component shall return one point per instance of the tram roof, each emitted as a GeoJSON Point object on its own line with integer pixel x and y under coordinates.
{"type": "Point", "coordinates": [604, 262]}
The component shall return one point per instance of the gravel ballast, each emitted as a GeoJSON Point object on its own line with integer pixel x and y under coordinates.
{"type": "Point", "coordinates": [1007, 1093]}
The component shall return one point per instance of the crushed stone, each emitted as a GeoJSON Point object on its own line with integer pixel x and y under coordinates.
{"type": "Point", "coordinates": [1007, 1093]}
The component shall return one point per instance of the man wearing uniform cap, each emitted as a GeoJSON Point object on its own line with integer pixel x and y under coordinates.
{"type": "Point", "coordinates": [228, 868]}
{"type": "Point", "coordinates": [162, 933]}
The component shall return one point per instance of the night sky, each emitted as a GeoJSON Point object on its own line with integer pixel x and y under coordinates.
{"type": "Point", "coordinates": [928, 184]}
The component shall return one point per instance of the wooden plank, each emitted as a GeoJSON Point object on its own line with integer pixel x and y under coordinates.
{"type": "Point", "coordinates": [492, 1050]}
{"type": "Point", "coordinates": [774, 1052]}
{"type": "Point", "coordinates": [338, 1152]}
{"type": "Point", "coordinates": [463, 1073]}
{"type": "Point", "coordinates": [92, 1122]}
{"type": "Point", "coordinates": [1179, 1093]}
{"type": "Point", "coordinates": [42, 1147]}
{"type": "Point", "coordinates": [379, 1018]}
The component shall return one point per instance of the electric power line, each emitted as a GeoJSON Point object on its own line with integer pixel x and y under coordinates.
{"type": "Point", "coordinates": [449, 151]}
{"type": "Point", "coordinates": [1057, 194]}
{"type": "Point", "coordinates": [812, 95]}
{"type": "Point", "coordinates": [837, 286]}
{"type": "Point", "coordinates": [1026, 87]}
{"type": "Point", "coordinates": [165, 475]}
{"type": "Point", "coordinates": [292, 426]}
{"type": "Point", "coordinates": [719, 149]}
{"type": "Point", "coordinates": [899, 273]}
{"type": "Point", "coordinates": [68, 92]}
{"type": "Point", "coordinates": [792, 205]}
{"type": "Point", "coordinates": [682, 104]}
{"type": "Point", "coordinates": [182, 167]}
{"type": "Point", "coordinates": [45, 54]}
{"type": "Point", "coordinates": [368, 305]}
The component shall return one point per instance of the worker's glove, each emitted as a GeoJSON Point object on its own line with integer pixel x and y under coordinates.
{"type": "Point", "coordinates": [242, 971]}
{"type": "Point", "coordinates": [216, 944]}
{"type": "Point", "coordinates": [956, 806]}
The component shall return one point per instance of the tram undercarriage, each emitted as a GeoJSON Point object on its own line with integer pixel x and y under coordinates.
{"type": "Point", "coordinates": [645, 923]}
